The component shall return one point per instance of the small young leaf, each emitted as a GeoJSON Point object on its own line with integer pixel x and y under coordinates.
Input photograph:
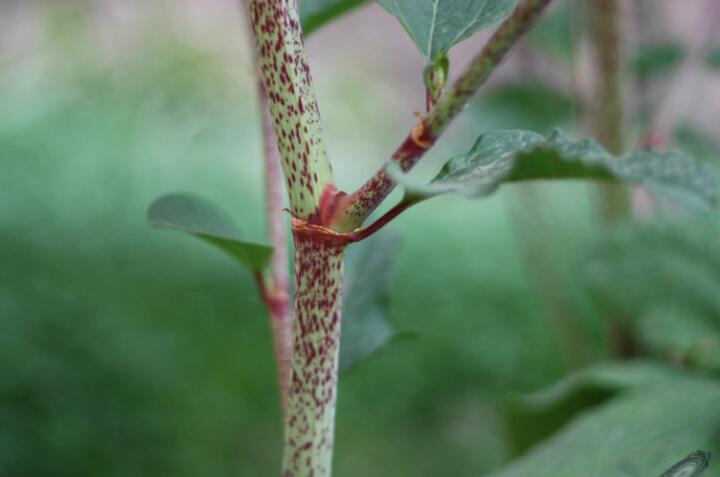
{"type": "Point", "coordinates": [365, 329]}
{"type": "Point", "coordinates": [512, 156]}
{"type": "Point", "coordinates": [316, 13]}
{"type": "Point", "coordinates": [201, 218]}
{"type": "Point", "coordinates": [437, 25]}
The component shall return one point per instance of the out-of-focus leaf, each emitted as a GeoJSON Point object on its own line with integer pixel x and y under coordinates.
{"type": "Point", "coordinates": [712, 58]}
{"type": "Point", "coordinates": [316, 13]}
{"type": "Point", "coordinates": [533, 417]}
{"type": "Point", "coordinates": [654, 59]}
{"type": "Point", "coordinates": [691, 466]}
{"type": "Point", "coordinates": [700, 144]}
{"type": "Point", "coordinates": [201, 218]}
{"type": "Point", "coordinates": [665, 278]}
{"type": "Point", "coordinates": [681, 337]}
{"type": "Point", "coordinates": [437, 25]}
{"type": "Point", "coordinates": [554, 34]}
{"type": "Point", "coordinates": [511, 156]}
{"type": "Point", "coordinates": [534, 106]}
{"type": "Point", "coordinates": [366, 297]}
{"type": "Point", "coordinates": [640, 432]}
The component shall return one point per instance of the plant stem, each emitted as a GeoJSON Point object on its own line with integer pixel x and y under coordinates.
{"type": "Point", "coordinates": [318, 260]}
{"type": "Point", "coordinates": [276, 290]}
{"type": "Point", "coordinates": [311, 421]}
{"type": "Point", "coordinates": [359, 205]}
{"type": "Point", "coordinates": [607, 109]}
{"type": "Point", "coordinates": [607, 123]}
{"type": "Point", "coordinates": [296, 119]}
{"type": "Point", "coordinates": [274, 285]}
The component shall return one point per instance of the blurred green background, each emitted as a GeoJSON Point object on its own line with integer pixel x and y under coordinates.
{"type": "Point", "coordinates": [127, 351]}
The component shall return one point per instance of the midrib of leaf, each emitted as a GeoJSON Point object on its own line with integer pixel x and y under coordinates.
{"type": "Point", "coordinates": [431, 34]}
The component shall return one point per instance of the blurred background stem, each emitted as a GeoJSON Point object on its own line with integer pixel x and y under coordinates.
{"type": "Point", "coordinates": [606, 109]}
{"type": "Point", "coordinates": [274, 284]}
{"type": "Point", "coordinates": [606, 121]}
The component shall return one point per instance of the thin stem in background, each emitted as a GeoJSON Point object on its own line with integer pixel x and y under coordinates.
{"type": "Point", "coordinates": [359, 205]}
{"type": "Point", "coordinates": [274, 285]}
{"type": "Point", "coordinates": [670, 109]}
{"type": "Point", "coordinates": [607, 116]}
{"type": "Point", "coordinates": [277, 291]}
{"type": "Point", "coordinates": [530, 220]}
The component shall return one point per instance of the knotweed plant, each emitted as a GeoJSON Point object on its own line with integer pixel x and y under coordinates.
{"type": "Point", "coordinates": [326, 221]}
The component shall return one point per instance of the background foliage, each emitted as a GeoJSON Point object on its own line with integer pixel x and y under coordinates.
{"type": "Point", "coordinates": [132, 351]}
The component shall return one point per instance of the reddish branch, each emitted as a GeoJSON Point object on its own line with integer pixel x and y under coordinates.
{"type": "Point", "coordinates": [274, 285]}
{"type": "Point", "coordinates": [358, 206]}
{"type": "Point", "coordinates": [276, 289]}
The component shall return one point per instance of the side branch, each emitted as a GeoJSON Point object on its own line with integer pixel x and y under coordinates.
{"type": "Point", "coordinates": [359, 205]}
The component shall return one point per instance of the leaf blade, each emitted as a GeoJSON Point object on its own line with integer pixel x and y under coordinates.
{"type": "Point", "coordinates": [499, 157]}
{"type": "Point", "coordinates": [435, 26]}
{"type": "Point", "coordinates": [642, 431]}
{"type": "Point", "coordinates": [203, 219]}
{"type": "Point", "coordinates": [316, 13]}
{"type": "Point", "coordinates": [366, 297]}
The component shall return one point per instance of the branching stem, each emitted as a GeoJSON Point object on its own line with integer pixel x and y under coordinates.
{"type": "Point", "coordinates": [360, 204]}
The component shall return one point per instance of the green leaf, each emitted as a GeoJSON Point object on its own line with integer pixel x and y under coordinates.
{"type": "Point", "coordinates": [535, 106]}
{"type": "Point", "coordinates": [203, 219]}
{"type": "Point", "coordinates": [680, 336]}
{"type": "Point", "coordinates": [437, 25]}
{"type": "Point", "coordinates": [664, 279]}
{"type": "Point", "coordinates": [654, 59]}
{"type": "Point", "coordinates": [512, 156]}
{"type": "Point", "coordinates": [712, 58]}
{"type": "Point", "coordinates": [316, 13]}
{"type": "Point", "coordinates": [554, 35]}
{"type": "Point", "coordinates": [533, 417]}
{"type": "Point", "coordinates": [366, 297]}
{"type": "Point", "coordinates": [640, 432]}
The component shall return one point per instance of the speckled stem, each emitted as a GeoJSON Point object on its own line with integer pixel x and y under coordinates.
{"type": "Point", "coordinates": [310, 413]}
{"type": "Point", "coordinates": [357, 206]}
{"type": "Point", "coordinates": [296, 119]}
{"type": "Point", "coordinates": [311, 422]}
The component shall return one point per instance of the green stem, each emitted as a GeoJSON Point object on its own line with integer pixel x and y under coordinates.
{"type": "Point", "coordinates": [311, 415]}
{"type": "Point", "coordinates": [356, 207]}
{"type": "Point", "coordinates": [286, 78]}
{"type": "Point", "coordinates": [296, 119]}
